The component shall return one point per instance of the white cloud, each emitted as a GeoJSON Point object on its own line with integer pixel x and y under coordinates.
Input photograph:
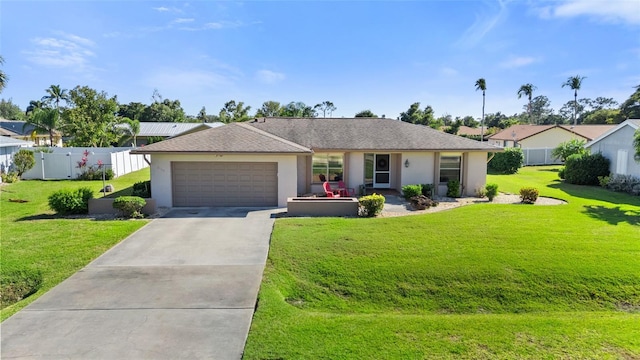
{"type": "Point", "coordinates": [161, 9]}
{"type": "Point", "coordinates": [518, 61]}
{"type": "Point", "coordinates": [616, 11]}
{"type": "Point", "coordinates": [65, 51]}
{"type": "Point", "coordinates": [182, 20]}
{"type": "Point", "coordinates": [483, 24]}
{"type": "Point", "coordinates": [269, 77]}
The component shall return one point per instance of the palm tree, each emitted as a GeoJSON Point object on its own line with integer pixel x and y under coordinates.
{"type": "Point", "coordinates": [44, 120]}
{"type": "Point", "coordinates": [34, 105]}
{"type": "Point", "coordinates": [55, 94]}
{"type": "Point", "coordinates": [527, 89]}
{"type": "Point", "coordinates": [3, 76]}
{"type": "Point", "coordinates": [481, 84]}
{"type": "Point", "coordinates": [574, 82]}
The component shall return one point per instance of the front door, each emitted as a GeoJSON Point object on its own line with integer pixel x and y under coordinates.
{"type": "Point", "coordinates": [382, 173]}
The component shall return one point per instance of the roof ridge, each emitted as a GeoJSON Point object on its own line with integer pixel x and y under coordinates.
{"type": "Point", "coordinates": [270, 135]}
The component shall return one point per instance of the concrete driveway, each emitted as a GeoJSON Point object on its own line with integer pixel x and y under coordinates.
{"type": "Point", "coordinates": [182, 287]}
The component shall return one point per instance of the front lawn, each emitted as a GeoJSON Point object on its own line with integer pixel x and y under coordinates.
{"type": "Point", "coordinates": [481, 281]}
{"type": "Point", "coordinates": [40, 249]}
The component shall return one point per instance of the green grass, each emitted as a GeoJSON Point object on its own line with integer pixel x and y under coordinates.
{"type": "Point", "coordinates": [481, 281]}
{"type": "Point", "coordinates": [42, 248]}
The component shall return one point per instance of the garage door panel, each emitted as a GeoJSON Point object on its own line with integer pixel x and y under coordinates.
{"type": "Point", "coordinates": [224, 184]}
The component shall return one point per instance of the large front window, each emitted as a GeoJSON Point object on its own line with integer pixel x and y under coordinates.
{"type": "Point", "coordinates": [450, 168]}
{"type": "Point", "coordinates": [327, 167]}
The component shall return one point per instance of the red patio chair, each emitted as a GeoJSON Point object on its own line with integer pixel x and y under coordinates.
{"type": "Point", "coordinates": [345, 191]}
{"type": "Point", "coordinates": [329, 191]}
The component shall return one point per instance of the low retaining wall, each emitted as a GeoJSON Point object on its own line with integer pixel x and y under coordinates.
{"type": "Point", "coordinates": [105, 206]}
{"type": "Point", "coordinates": [309, 206]}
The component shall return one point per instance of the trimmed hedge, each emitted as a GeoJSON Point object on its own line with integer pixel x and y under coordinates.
{"type": "Point", "coordinates": [71, 201]}
{"type": "Point", "coordinates": [528, 195]}
{"type": "Point", "coordinates": [409, 191]}
{"type": "Point", "coordinates": [585, 169]}
{"type": "Point", "coordinates": [129, 206]}
{"type": "Point", "coordinates": [371, 205]}
{"type": "Point", "coordinates": [507, 162]}
{"type": "Point", "coordinates": [142, 189]}
{"type": "Point", "coordinates": [453, 188]}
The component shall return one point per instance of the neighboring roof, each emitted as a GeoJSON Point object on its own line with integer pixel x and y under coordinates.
{"type": "Point", "coordinates": [632, 123]}
{"type": "Point", "coordinates": [365, 134]}
{"type": "Point", "coordinates": [466, 130]}
{"type": "Point", "coordinates": [17, 127]}
{"type": "Point", "coordinates": [522, 132]}
{"type": "Point", "coordinates": [5, 132]}
{"type": "Point", "coordinates": [168, 129]}
{"type": "Point", "coordinates": [231, 138]}
{"type": "Point", "coordinates": [200, 127]}
{"type": "Point", "coordinates": [7, 142]}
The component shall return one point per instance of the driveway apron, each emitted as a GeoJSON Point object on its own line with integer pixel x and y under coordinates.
{"type": "Point", "coordinates": [182, 287]}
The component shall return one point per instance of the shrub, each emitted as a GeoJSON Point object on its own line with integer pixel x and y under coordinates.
{"type": "Point", "coordinates": [71, 201]}
{"type": "Point", "coordinates": [371, 205]}
{"type": "Point", "coordinates": [453, 188]}
{"type": "Point", "coordinates": [409, 191]}
{"type": "Point", "coordinates": [603, 181]}
{"type": "Point", "coordinates": [585, 169]}
{"type": "Point", "coordinates": [492, 191]}
{"type": "Point", "coordinates": [622, 183]}
{"type": "Point", "coordinates": [507, 162]}
{"type": "Point", "coordinates": [9, 177]}
{"type": "Point", "coordinates": [129, 206]}
{"type": "Point", "coordinates": [568, 148]}
{"type": "Point", "coordinates": [481, 192]}
{"type": "Point", "coordinates": [561, 173]}
{"type": "Point", "coordinates": [427, 190]}
{"type": "Point", "coordinates": [142, 189]}
{"type": "Point", "coordinates": [95, 173]}
{"type": "Point", "coordinates": [23, 161]}
{"type": "Point", "coordinates": [528, 195]}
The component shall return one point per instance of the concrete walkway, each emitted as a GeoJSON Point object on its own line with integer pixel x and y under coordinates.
{"type": "Point", "coordinates": [182, 287]}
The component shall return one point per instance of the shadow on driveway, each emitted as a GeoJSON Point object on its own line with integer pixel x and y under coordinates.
{"type": "Point", "coordinates": [217, 212]}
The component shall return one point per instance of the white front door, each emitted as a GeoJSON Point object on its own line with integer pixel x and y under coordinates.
{"type": "Point", "coordinates": [381, 173]}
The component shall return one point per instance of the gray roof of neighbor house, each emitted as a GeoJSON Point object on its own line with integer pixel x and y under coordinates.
{"type": "Point", "coordinates": [633, 123]}
{"type": "Point", "coordinates": [285, 135]}
{"type": "Point", "coordinates": [231, 138]}
{"type": "Point", "coordinates": [365, 134]}
{"type": "Point", "coordinates": [522, 132]}
{"type": "Point", "coordinates": [17, 127]}
{"type": "Point", "coordinates": [168, 129]}
{"type": "Point", "coordinates": [7, 141]}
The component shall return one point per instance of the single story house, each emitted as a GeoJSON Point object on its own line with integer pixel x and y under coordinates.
{"type": "Point", "coordinates": [155, 131]}
{"type": "Point", "coordinates": [267, 160]}
{"type": "Point", "coordinates": [8, 147]}
{"type": "Point", "coordinates": [617, 146]}
{"type": "Point", "coordinates": [545, 136]}
{"type": "Point", "coordinates": [22, 131]}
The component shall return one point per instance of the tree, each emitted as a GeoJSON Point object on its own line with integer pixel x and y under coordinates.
{"type": "Point", "coordinates": [298, 109]}
{"type": "Point", "coordinates": [55, 94]}
{"type": "Point", "coordinates": [415, 115]}
{"type": "Point", "coordinates": [23, 161]}
{"type": "Point", "coordinates": [568, 148]}
{"type": "Point", "coordinates": [232, 112]}
{"type": "Point", "coordinates": [366, 114]}
{"type": "Point", "coordinates": [3, 76]}
{"type": "Point", "coordinates": [33, 105]}
{"type": "Point", "coordinates": [163, 110]}
{"type": "Point", "coordinates": [571, 109]}
{"type": "Point", "coordinates": [45, 121]}
{"type": "Point", "coordinates": [10, 111]}
{"type": "Point", "coordinates": [630, 109]}
{"type": "Point", "coordinates": [269, 109]}
{"type": "Point", "coordinates": [527, 90]}
{"type": "Point", "coordinates": [540, 109]}
{"type": "Point", "coordinates": [202, 115]}
{"type": "Point", "coordinates": [636, 144]}
{"type": "Point", "coordinates": [481, 84]}
{"type": "Point", "coordinates": [130, 131]}
{"type": "Point", "coordinates": [603, 116]}
{"type": "Point", "coordinates": [454, 127]}
{"type": "Point", "coordinates": [325, 106]}
{"type": "Point", "coordinates": [91, 121]}
{"type": "Point", "coordinates": [132, 110]}
{"type": "Point", "coordinates": [574, 82]}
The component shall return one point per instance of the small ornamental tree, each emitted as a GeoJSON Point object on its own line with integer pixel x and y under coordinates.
{"type": "Point", "coordinates": [507, 162]}
{"type": "Point", "coordinates": [585, 169]}
{"type": "Point", "coordinates": [23, 161]}
{"type": "Point", "coordinates": [568, 148]}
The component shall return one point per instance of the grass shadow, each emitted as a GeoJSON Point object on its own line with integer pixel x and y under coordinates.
{"type": "Point", "coordinates": [124, 192]}
{"type": "Point", "coordinates": [40, 217]}
{"type": "Point", "coordinates": [613, 216]}
{"type": "Point", "coordinates": [592, 192]}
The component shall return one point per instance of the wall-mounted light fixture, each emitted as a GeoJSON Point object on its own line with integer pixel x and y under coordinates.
{"type": "Point", "coordinates": [406, 163]}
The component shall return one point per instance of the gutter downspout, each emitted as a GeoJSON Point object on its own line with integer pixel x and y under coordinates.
{"type": "Point", "coordinates": [491, 157]}
{"type": "Point", "coordinates": [144, 157]}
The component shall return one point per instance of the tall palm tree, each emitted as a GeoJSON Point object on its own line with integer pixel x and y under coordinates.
{"type": "Point", "coordinates": [34, 105]}
{"type": "Point", "coordinates": [481, 84]}
{"type": "Point", "coordinates": [574, 82]}
{"type": "Point", "coordinates": [3, 76]}
{"type": "Point", "coordinates": [55, 94]}
{"type": "Point", "coordinates": [527, 90]}
{"type": "Point", "coordinates": [44, 120]}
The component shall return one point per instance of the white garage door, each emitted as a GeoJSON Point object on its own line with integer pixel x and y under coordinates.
{"type": "Point", "coordinates": [224, 184]}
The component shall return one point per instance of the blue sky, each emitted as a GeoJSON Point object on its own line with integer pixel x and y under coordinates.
{"type": "Point", "coordinates": [377, 55]}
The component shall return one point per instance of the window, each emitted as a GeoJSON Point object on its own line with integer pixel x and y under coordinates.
{"type": "Point", "coordinates": [449, 168]}
{"type": "Point", "coordinates": [327, 167]}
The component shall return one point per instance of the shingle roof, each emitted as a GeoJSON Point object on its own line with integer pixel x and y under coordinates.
{"type": "Point", "coordinates": [18, 127]}
{"type": "Point", "coordinates": [7, 141]}
{"type": "Point", "coordinates": [633, 123]}
{"type": "Point", "coordinates": [520, 131]}
{"type": "Point", "coordinates": [365, 134]}
{"type": "Point", "coordinates": [589, 132]}
{"type": "Point", "coordinates": [231, 138]}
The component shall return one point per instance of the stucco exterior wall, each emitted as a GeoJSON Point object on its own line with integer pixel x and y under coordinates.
{"type": "Point", "coordinates": [549, 139]}
{"type": "Point", "coordinates": [355, 171]}
{"type": "Point", "coordinates": [474, 173]}
{"type": "Point", "coordinates": [161, 173]}
{"type": "Point", "coordinates": [619, 140]}
{"type": "Point", "coordinates": [420, 170]}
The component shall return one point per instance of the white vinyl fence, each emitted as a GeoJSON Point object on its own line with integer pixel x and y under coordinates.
{"type": "Point", "coordinates": [540, 156]}
{"type": "Point", "coordinates": [62, 163]}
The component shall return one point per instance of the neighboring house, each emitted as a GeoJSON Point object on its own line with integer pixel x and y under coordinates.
{"type": "Point", "coordinates": [617, 146]}
{"type": "Point", "coordinates": [8, 147]}
{"type": "Point", "coordinates": [538, 141]}
{"type": "Point", "coordinates": [18, 130]}
{"type": "Point", "coordinates": [263, 162]}
{"type": "Point", "coordinates": [153, 131]}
